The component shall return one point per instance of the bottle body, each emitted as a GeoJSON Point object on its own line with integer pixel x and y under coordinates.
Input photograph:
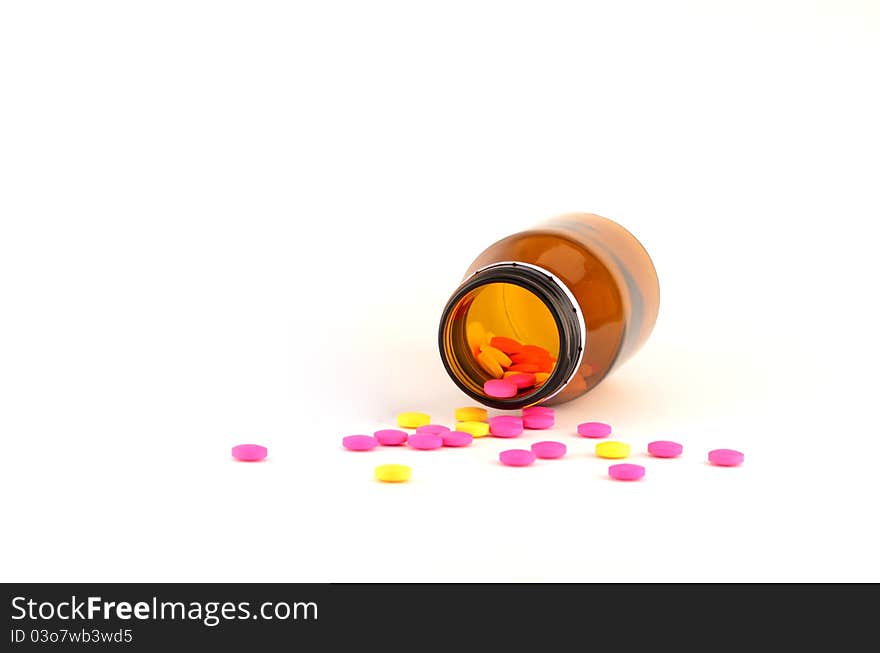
{"type": "Point", "coordinates": [579, 287]}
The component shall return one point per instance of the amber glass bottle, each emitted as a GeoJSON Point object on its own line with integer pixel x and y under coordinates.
{"type": "Point", "coordinates": [554, 309]}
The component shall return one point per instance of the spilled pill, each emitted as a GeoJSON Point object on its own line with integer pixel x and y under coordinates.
{"type": "Point", "coordinates": [535, 410]}
{"type": "Point", "coordinates": [538, 421]}
{"type": "Point", "coordinates": [471, 414]}
{"type": "Point", "coordinates": [456, 438]}
{"type": "Point", "coordinates": [505, 426]}
{"type": "Point", "coordinates": [594, 430]}
{"type": "Point", "coordinates": [425, 441]}
{"type": "Point", "coordinates": [413, 420]}
{"type": "Point", "coordinates": [390, 437]}
{"type": "Point", "coordinates": [476, 429]}
{"type": "Point", "coordinates": [249, 453]}
{"type": "Point", "coordinates": [359, 442]}
{"type": "Point", "coordinates": [432, 428]}
{"type": "Point", "coordinates": [726, 457]}
{"type": "Point", "coordinates": [393, 473]}
{"type": "Point", "coordinates": [626, 472]}
{"type": "Point", "coordinates": [665, 449]}
{"type": "Point", "coordinates": [549, 449]}
{"type": "Point", "coordinates": [612, 449]}
{"type": "Point", "coordinates": [517, 457]}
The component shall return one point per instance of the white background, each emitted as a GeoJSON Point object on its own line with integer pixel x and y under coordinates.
{"type": "Point", "coordinates": [238, 222]}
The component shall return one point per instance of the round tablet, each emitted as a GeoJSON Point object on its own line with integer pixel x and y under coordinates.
{"type": "Point", "coordinates": [432, 428]}
{"type": "Point", "coordinates": [491, 365]}
{"type": "Point", "coordinates": [425, 441]}
{"type": "Point", "coordinates": [505, 427]}
{"type": "Point", "coordinates": [521, 379]}
{"type": "Point", "coordinates": [413, 420]}
{"type": "Point", "coordinates": [726, 457]}
{"type": "Point", "coordinates": [626, 472]}
{"type": "Point", "coordinates": [471, 414]}
{"type": "Point", "coordinates": [499, 388]}
{"type": "Point", "coordinates": [506, 418]}
{"type": "Point", "coordinates": [393, 473]}
{"type": "Point", "coordinates": [456, 438]}
{"type": "Point", "coordinates": [549, 449]}
{"type": "Point", "coordinates": [535, 410]}
{"type": "Point", "coordinates": [359, 442]}
{"type": "Point", "coordinates": [612, 449]}
{"type": "Point", "coordinates": [390, 437]}
{"type": "Point", "coordinates": [538, 421]}
{"type": "Point", "coordinates": [594, 430]}
{"type": "Point", "coordinates": [249, 453]}
{"type": "Point", "coordinates": [507, 345]}
{"type": "Point", "coordinates": [476, 429]}
{"type": "Point", "coordinates": [665, 449]}
{"type": "Point", "coordinates": [516, 457]}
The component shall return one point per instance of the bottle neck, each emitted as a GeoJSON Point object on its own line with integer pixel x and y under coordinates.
{"type": "Point", "coordinates": [514, 299]}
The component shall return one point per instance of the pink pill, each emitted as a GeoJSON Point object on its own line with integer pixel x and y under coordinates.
{"type": "Point", "coordinates": [456, 438]}
{"type": "Point", "coordinates": [594, 430]}
{"type": "Point", "coordinates": [549, 449]}
{"type": "Point", "coordinates": [538, 421]}
{"type": "Point", "coordinates": [390, 437]}
{"type": "Point", "coordinates": [726, 457]}
{"type": "Point", "coordinates": [535, 410]}
{"type": "Point", "coordinates": [505, 427]}
{"type": "Point", "coordinates": [425, 441]}
{"type": "Point", "coordinates": [499, 388]}
{"type": "Point", "coordinates": [359, 442]}
{"type": "Point", "coordinates": [626, 472]}
{"type": "Point", "coordinates": [665, 449]}
{"type": "Point", "coordinates": [516, 457]}
{"type": "Point", "coordinates": [506, 418]}
{"type": "Point", "coordinates": [432, 428]}
{"type": "Point", "coordinates": [249, 452]}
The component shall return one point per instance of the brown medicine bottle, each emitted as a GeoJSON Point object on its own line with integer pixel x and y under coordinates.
{"type": "Point", "coordinates": [560, 306]}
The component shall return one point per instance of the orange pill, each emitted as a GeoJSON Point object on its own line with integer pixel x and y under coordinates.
{"type": "Point", "coordinates": [545, 366]}
{"type": "Point", "coordinates": [490, 365]}
{"type": "Point", "coordinates": [507, 345]}
{"type": "Point", "coordinates": [502, 358]}
{"type": "Point", "coordinates": [540, 377]}
{"type": "Point", "coordinates": [531, 357]}
{"type": "Point", "coordinates": [521, 379]}
{"type": "Point", "coordinates": [536, 350]}
{"type": "Point", "coordinates": [525, 367]}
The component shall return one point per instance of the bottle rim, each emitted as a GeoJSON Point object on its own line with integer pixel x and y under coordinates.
{"type": "Point", "coordinates": [562, 305]}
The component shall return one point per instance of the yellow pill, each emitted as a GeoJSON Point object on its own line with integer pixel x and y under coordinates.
{"type": "Point", "coordinates": [393, 473]}
{"type": "Point", "coordinates": [471, 414]}
{"type": "Point", "coordinates": [490, 365]}
{"type": "Point", "coordinates": [413, 420]}
{"type": "Point", "coordinates": [502, 358]}
{"type": "Point", "coordinates": [540, 377]}
{"type": "Point", "coordinates": [476, 335]}
{"type": "Point", "coordinates": [476, 429]}
{"type": "Point", "coordinates": [612, 449]}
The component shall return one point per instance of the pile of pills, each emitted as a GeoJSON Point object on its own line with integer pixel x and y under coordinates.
{"type": "Point", "coordinates": [474, 422]}
{"type": "Point", "coordinates": [514, 367]}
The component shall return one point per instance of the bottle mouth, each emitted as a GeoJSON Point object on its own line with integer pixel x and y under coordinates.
{"type": "Point", "coordinates": [514, 322]}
